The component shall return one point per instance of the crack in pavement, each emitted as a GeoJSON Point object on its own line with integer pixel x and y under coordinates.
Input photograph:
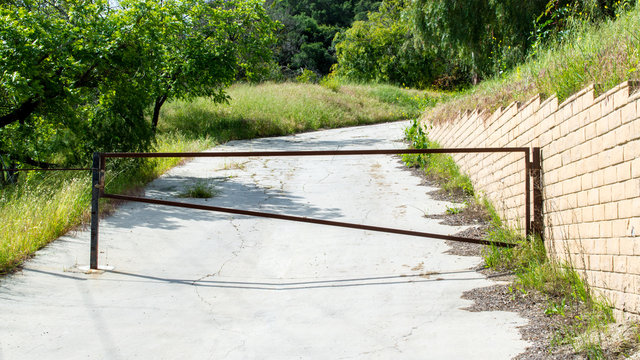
{"type": "Point", "coordinates": [235, 254]}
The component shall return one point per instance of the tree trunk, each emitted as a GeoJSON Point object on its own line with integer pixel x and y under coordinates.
{"type": "Point", "coordinates": [156, 111]}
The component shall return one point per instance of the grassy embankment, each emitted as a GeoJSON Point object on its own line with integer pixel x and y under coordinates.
{"type": "Point", "coordinates": [42, 207]}
{"type": "Point", "coordinates": [604, 55]}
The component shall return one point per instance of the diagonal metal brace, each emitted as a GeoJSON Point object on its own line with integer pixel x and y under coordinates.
{"type": "Point", "coordinates": [304, 220]}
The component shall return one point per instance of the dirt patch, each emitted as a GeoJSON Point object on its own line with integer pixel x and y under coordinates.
{"type": "Point", "coordinates": [468, 249]}
{"type": "Point", "coordinates": [444, 195]}
{"type": "Point", "coordinates": [469, 213]}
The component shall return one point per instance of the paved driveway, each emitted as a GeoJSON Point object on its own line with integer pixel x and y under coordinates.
{"type": "Point", "coordinates": [189, 284]}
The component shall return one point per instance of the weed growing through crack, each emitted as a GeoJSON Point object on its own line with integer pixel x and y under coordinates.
{"type": "Point", "coordinates": [455, 210]}
{"type": "Point", "coordinates": [199, 190]}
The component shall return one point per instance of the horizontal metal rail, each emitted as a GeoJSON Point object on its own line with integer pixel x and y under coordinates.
{"type": "Point", "coordinates": [303, 219]}
{"type": "Point", "coordinates": [316, 153]}
{"type": "Point", "coordinates": [69, 169]}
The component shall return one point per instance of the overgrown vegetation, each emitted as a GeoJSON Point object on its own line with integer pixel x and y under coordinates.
{"type": "Point", "coordinates": [378, 50]}
{"type": "Point", "coordinates": [43, 206]}
{"type": "Point", "coordinates": [439, 167]}
{"type": "Point", "coordinates": [567, 293]}
{"type": "Point", "coordinates": [604, 54]}
{"type": "Point", "coordinates": [271, 109]}
{"type": "Point", "coordinates": [455, 43]}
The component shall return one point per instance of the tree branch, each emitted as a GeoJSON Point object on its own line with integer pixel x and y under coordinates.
{"type": "Point", "coordinates": [40, 164]}
{"type": "Point", "coordinates": [21, 113]}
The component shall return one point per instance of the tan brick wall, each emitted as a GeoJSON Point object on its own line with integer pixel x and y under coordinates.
{"type": "Point", "coordinates": [591, 178]}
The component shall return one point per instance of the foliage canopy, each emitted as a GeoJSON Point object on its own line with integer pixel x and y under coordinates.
{"type": "Point", "coordinates": [79, 75]}
{"type": "Point", "coordinates": [305, 40]}
{"type": "Point", "coordinates": [458, 42]}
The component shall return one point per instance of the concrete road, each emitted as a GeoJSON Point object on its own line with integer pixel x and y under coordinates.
{"type": "Point", "coordinates": [189, 284]}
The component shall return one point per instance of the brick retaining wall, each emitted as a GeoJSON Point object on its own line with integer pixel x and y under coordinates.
{"type": "Point", "coordinates": [591, 179]}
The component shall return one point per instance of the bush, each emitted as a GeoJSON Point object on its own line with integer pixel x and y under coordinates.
{"type": "Point", "coordinates": [307, 77]}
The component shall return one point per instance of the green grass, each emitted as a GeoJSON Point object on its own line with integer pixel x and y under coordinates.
{"type": "Point", "coordinates": [199, 190]}
{"type": "Point", "coordinates": [42, 207]}
{"type": "Point", "coordinates": [566, 292]}
{"type": "Point", "coordinates": [38, 210]}
{"type": "Point", "coordinates": [279, 109]}
{"type": "Point", "coordinates": [605, 54]}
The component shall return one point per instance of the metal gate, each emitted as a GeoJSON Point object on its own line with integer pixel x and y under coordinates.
{"type": "Point", "coordinates": [533, 209]}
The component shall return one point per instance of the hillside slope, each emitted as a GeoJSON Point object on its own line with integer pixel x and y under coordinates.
{"type": "Point", "coordinates": [604, 55]}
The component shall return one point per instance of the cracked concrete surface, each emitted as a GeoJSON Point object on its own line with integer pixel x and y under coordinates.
{"type": "Point", "coordinates": [199, 285]}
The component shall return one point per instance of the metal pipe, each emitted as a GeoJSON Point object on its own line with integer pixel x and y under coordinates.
{"type": "Point", "coordinates": [95, 210]}
{"type": "Point", "coordinates": [527, 191]}
{"type": "Point", "coordinates": [538, 221]}
{"type": "Point", "coordinates": [303, 219]}
{"type": "Point", "coordinates": [316, 153]}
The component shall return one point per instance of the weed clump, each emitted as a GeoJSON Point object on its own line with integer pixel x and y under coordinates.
{"type": "Point", "coordinates": [199, 190]}
{"type": "Point", "coordinates": [567, 294]}
{"type": "Point", "coordinates": [440, 168]}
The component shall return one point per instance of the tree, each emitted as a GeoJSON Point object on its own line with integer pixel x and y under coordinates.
{"type": "Point", "coordinates": [204, 45]}
{"type": "Point", "coordinates": [469, 30]}
{"type": "Point", "coordinates": [381, 49]}
{"type": "Point", "coordinates": [79, 75]}
{"type": "Point", "coordinates": [305, 41]}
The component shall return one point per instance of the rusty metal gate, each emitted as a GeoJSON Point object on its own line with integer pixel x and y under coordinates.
{"type": "Point", "coordinates": [533, 209]}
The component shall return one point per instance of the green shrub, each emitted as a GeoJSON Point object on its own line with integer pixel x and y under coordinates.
{"type": "Point", "coordinates": [307, 77]}
{"type": "Point", "coordinates": [331, 82]}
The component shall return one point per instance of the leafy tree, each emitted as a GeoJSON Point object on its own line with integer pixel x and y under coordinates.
{"type": "Point", "coordinates": [79, 75]}
{"type": "Point", "coordinates": [381, 49]}
{"type": "Point", "coordinates": [305, 40]}
{"type": "Point", "coordinates": [204, 45]}
{"type": "Point", "coordinates": [491, 36]}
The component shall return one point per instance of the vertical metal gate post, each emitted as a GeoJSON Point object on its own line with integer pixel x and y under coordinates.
{"type": "Point", "coordinates": [527, 192]}
{"type": "Point", "coordinates": [97, 188]}
{"type": "Point", "coordinates": [536, 176]}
